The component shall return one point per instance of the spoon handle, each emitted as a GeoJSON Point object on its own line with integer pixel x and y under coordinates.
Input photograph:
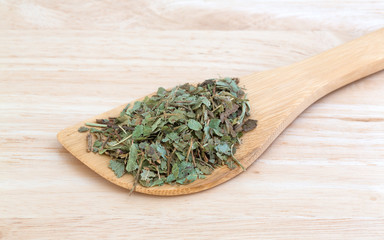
{"type": "Point", "coordinates": [342, 65]}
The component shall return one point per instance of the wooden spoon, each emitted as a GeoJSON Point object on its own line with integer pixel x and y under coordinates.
{"type": "Point", "coordinates": [276, 96]}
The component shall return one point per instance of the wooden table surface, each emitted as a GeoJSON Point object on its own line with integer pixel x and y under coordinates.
{"type": "Point", "coordinates": [62, 62]}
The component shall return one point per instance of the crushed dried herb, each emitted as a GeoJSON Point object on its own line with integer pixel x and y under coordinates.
{"type": "Point", "coordinates": [175, 136]}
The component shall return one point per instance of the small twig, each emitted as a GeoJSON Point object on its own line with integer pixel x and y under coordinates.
{"type": "Point", "coordinates": [189, 150]}
{"type": "Point", "coordinates": [234, 159]}
{"type": "Point", "coordinates": [198, 152]}
{"type": "Point", "coordinates": [122, 129]}
{"type": "Point", "coordinates": [117, 134]}
{"type": "Point", "coordinates": [193, 158]}
{"type": "Point", "coordinates": [169, 161]}
{"type": "Point", "coordinates": [104, 143]}
{"type": "Point", "coordinates": [96, 125]}
{"type": "Point", "coordinates": [137, 176]}
{"type": "Point", "coordinates": [158, 172]}
{"type": "Point", "coordinates": [89, 140]}
{"type": "Point", "coordinates": [216, 108]}
{"type": "Point", "coordinates": [123, 140]}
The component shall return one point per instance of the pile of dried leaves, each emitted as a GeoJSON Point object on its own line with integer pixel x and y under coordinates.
{"type": "Point", "coordinates": [175, 136]}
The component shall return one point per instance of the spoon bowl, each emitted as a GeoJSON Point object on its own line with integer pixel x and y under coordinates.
{"type": "Point", "coordinates": [276, 97]}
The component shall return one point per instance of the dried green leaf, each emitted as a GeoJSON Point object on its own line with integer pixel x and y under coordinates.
{"type": "Point", "coordinates": [185, 169]}
{"type": "Point", "coordinates": [158, 182]}
{"type": "Point", "coordinates": [181, 181]}
{"type": "Point", "coordinates": [214, 124]}
{"type": "Point", "coordinates": [192, 178]}
{"type": "Point", "coordinates": [132, 160]}
{"type": "Point", "coordinates": [136, 106]}
{"type": "Point", "coordinates": [173, 136]}
{"type": "Point", "coordinates": [180, 156]}
{"type": "Point", "coordinates": [163, 165]}
{"type": "Point", "coordinates": [94, 130]}
{"type": "Point", "coordinates": [204, 169]}
{"type": "Point", "coordinates": [223, 148]}
{"type": "Point", "coordinates": [228, 112]}
{"type": "Point", "coordinates": [175, 170]}
{"type": "Point", "coordinates": [147, 130]}
{"type": "Point", "coordinates": [139, 129]}
{"type": "Point", "coordinates": [146, 175]}
{"type": "Point", "coordinates": [205, 101]}
{"type": "Point", "coordinates": [97, 144]}
{"type": "Point", "coordinates": [218, 133]}
{"type": "Point", "coordinates": [124, 110]}
{"type": "Point", "coordinates": [161, 91]}
{"type": "Point", "coordinates": [117, 167]}
{"type": "Point", "coordinates": [199, 134]}
{"type": "Point", "coordinates": [194, 125]}
{"type": "Point", "coordinates": [83, 129]}
{"type": "Point", "coordinates": [231, 164]}
{"type": "Point", "coordinates": [170, 178]}
{"type": "Point", "coordinates": [154, 126]}
{"type": "Point", "coordinates": [161, 150]}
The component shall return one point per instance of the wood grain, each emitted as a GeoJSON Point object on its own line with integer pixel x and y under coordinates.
{"type": "Point", "coordinates": [321, 179]}
{"type": "Point", "coordinates": [280, 95]}
{"type": "Point", "coordinates": [298, 15]}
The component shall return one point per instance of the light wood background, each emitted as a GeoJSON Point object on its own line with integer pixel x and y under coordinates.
{"type": "Point", "coordinates": [65, 61]}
